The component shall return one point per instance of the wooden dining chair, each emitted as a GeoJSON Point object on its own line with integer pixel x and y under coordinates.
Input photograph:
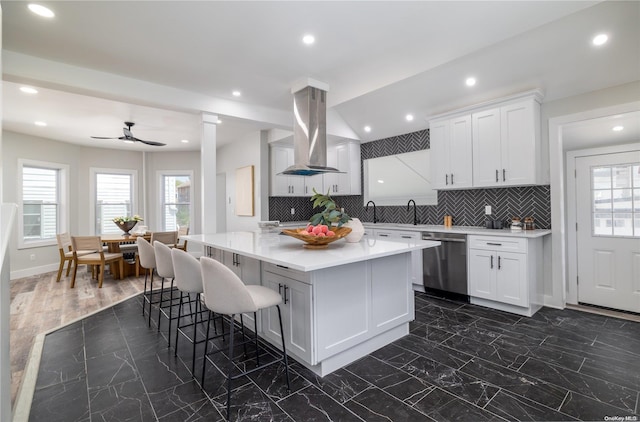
{"type": "Point", "coordinates": [182, 231]}
{"type": "Point", "coordinates": [168, 238]}
{"type": "Point", "coordinates": [96, 256]}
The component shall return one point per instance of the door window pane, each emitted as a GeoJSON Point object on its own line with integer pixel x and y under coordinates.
{"type": "Point", "coordinates": [615, 197]}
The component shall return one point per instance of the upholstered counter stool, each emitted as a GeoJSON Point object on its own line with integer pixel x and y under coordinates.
{"type": "Point", "coordinates": [147, 258]}
{"type": "Point", "coordinates": [226, 294]}
{"type": "Point", "coordinates": [164, 268]}
{"type": "Point", "coordinates": [188, 278]}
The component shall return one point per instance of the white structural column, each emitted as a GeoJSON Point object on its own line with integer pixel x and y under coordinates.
{"type": "Point", "coordinates": [208, 171]}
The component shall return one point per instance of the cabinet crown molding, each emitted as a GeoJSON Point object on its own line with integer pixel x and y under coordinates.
{"type": "Point", "coordinates": [535, 94]}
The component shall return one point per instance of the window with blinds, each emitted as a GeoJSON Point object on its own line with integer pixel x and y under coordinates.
{"type": "Point", "coordinates": [40, 203]}
{"type": "Point", "coordinates": [175, 196]}
{"type": "Point", "coordinates": [113, 199]}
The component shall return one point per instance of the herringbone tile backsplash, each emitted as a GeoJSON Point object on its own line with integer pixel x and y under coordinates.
{"type": "Point", "coordinates": [466, 206]}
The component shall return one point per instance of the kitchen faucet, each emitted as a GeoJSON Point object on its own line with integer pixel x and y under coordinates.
{"type": "Point", "coordinates": [415, 217]}
{"type": "Point", "coordinates": [375, 220]}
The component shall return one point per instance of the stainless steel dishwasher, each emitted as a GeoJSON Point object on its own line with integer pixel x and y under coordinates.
{"type": "Point", "coordinates": [445, 267]}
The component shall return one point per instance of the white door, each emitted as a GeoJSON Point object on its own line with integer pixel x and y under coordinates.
{"type": "Point", "coordinates": [608, 230]}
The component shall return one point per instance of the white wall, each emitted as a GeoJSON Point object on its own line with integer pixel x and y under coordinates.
{"type": "Point", "coordinates": [79, 159]}
{"type": "Point", "coordinates": [553, 114]}
{"type": "Point", "coordinates": [240, 153]}
{"type": "Point", "coordinates": [162, 161]}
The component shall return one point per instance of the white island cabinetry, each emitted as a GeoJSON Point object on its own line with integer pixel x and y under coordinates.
{"type": "Point", "coordinates": [338, 304]}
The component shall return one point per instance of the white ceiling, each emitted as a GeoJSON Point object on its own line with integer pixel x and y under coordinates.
{"type": "Point", "coordinates": [162, 63]}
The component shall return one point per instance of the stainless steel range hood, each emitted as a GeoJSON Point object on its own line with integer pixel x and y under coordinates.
{"type": "Point", "coordinates": [309, 133]}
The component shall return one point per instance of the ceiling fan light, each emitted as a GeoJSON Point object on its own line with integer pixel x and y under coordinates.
{"type": "Point", "coordinates": [128, 141]}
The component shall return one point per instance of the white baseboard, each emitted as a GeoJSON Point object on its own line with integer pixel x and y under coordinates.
{"type": "Point", "coordinates": [29, 272]}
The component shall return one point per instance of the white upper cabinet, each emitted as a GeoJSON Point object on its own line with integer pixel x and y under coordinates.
{"type": "Point", "coordinates": [506, 145]}
{"type": "Point", "coordinates": [281, 184]}
{"type": "Point", "coordinates": [493, 145]}
{"type": "Point", "coordinates": [346, 158]}
{"type": "Point", "coordinates": [451, 157]}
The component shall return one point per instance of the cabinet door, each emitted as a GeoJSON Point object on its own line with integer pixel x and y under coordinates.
{"type": "Point", "coordinates": [460, 157]}
{"type": "Point", "coordinates": [296, 315]}
{"type": "Point", "coordinates": [280, 159]}
{"type": "Point", "coordinates": [487, 166]}
{"type": "Point", "coordinates": [314, 182]}
{"type": "Point", "coordinates": [511, 279]}
{"type": "Point", "coordinates": [482, 274]}
{"type": "Point", "coordinates": [518, 144]}
{"type": "Point", "coordinates": [439, 133]}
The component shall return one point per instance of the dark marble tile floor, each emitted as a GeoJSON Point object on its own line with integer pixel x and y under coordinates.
{"type": "Point", "coordinates": [460, 363]}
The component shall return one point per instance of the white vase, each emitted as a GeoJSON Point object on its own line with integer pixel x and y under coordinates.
{"type": "Point", "coordinates": [357, 230]}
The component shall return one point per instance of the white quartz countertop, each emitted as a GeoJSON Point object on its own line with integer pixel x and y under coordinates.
{"type": "Point", "coordinates": [287, 251]}
{"type": "Point", "coordinates": [458, 229]}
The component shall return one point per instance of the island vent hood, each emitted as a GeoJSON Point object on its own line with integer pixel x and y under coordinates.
{"type": "Point", "coordinates": [310, 131]}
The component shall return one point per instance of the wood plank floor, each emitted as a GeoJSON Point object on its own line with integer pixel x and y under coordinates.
{"type": "Point", "coordinates": [39, 304]}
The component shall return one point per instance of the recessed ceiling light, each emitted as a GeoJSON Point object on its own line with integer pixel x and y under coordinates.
{"type": "Point", "coordinates": [308, 39]}
{"type": "Point", "coordinates": [28, 90]}
{"type": "Point", "coordinates": [409, 117]}
{"type": "Point", "coordinates": [219, 122]}
{"type": "Point", "coordinates": [600, 39]}
{"type": "Point", "coordinates": [236, 93]}
{"type": "Point", "coordinates": [367, 129]}
{"type": "Point", "coordinates": [618, 128]}
{"type": "Point", "coordinates": [185, 141]}
{"type": "Point", "coordinates": [380, 181]}
{"type": "Point", "coordinates": [40, 123]}
{"type": "Point", "coordinates": [470, 81]}
{"type": "Point", "coordinates": [41, 10]}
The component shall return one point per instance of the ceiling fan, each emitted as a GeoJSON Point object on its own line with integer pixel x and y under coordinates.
{"type": "Point", "coordinates": [128, 136]}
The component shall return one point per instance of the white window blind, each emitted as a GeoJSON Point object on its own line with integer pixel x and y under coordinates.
{"type": "Point", "coordinates": [176, 201]}
{"type": "Point", "coordinates": [113, 199]}
{"type": "Point", "coordinates": [40, 203]}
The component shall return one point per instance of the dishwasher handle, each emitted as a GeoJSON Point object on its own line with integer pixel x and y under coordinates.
{"type": "Point", "coordinates": [443, 239]}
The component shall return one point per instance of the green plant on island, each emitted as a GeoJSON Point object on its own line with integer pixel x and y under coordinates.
{"type": "Point", "coordinates": [332, 215]}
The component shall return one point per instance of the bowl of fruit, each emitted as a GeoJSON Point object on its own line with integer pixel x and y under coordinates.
{"type": "Point", "coordinates": [318, 236]}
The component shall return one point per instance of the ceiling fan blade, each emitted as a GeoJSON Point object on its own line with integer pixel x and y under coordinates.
{"type": "Point", "coordinates": [152, 143]}
{"type": "Point", "coordinates": [102, 137]}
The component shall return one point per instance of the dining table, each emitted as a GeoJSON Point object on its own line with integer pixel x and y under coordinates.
{"type": "Point", "coordinates": [116, 243]}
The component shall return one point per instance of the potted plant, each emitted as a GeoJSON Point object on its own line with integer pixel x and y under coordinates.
{"type": "Point", "coordinates": [333, 215]}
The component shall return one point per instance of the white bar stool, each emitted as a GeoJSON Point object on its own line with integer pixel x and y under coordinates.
{"type": "Point", "coordinates": [147, 257]}
{"type": "Point", "coordinates": [226, 294]}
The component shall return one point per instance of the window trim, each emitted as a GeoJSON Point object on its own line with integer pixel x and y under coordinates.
{"type": "Point", "coordinates": [63, 201]}
{"type": "Point", "coordinates": [93, 171]}
{"type": "Point", "coordinates": [160, 193]}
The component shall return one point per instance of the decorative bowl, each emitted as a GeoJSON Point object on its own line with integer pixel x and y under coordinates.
{"type": "Point", "coordinates": [126, 226]}
{"type": "Point", "coordinates": [315, 242]}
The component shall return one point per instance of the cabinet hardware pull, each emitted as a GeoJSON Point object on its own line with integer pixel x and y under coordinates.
{"type": "Point", "coordinates": [499, 263]}
{"type": "Point", "coordinates": [281, 266]}
{"type": "Point", "coordinates": [280, 288]}
{"type": "Point", "coordinates": [452, 178]}
{"type": "Point", "coordinates": [494, 244]}
{"type": "Point", "coordinates": [491, 262]}
{"type": "Point", "coordinates": [497, 175]}
{"type": "Point", "coordinates": [285, 294]}
{"type": "Point", "coordinates": [383, 235]}
{"type": "Point", "coordinates": [446, 179]}
{"type": "Point", "coordinates": [406, 237]}
{"type": "Point", "coordinates": [306, 189]}
{"type": "Point", "coordinates": [504, 175]}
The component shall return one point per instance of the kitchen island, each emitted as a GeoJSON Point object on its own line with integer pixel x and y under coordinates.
{"type": "Point", "coordinates": [340, 303]}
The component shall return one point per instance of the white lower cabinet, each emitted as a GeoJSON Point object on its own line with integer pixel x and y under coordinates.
{"type": "Point", "coordinates": [503, 273]}
{"type": "Point", "coordinates": [416, 256]}
{"type": "Point", "coordinates": [332, 316]}
{"type": "Point", "coordinates": [296, 314]}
